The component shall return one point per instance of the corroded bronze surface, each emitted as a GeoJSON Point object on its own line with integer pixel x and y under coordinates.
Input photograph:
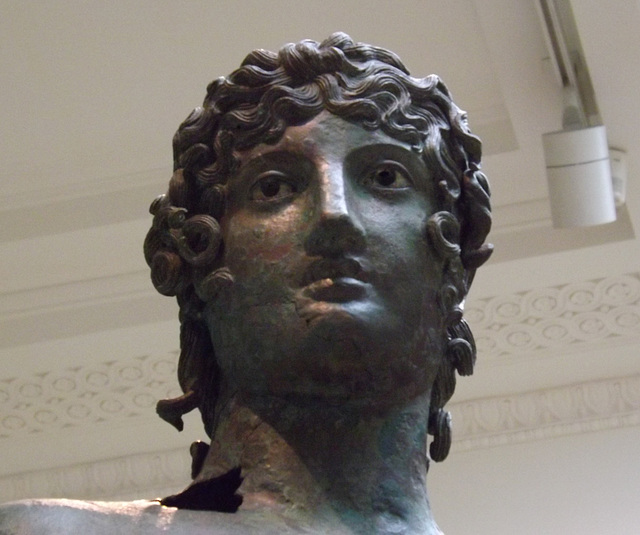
{"type": "Point", "coordinates": [321, 229]}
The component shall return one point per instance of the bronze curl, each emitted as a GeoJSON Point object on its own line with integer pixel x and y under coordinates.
{"type": "Point", "coordinates": [443, 231]}
{"type": "Point", "coordinates": [208, 286]}
{"type": "Point", "coordinates": [440, 428]}
{"type": "Point", "coordinates": [166, 273]}
{"type": "Point", "coordinates": [199, 240]}
{"type": "Point", "coordinates": [477, 204]}
{"type": "Point", "coordinates": [462, 353]}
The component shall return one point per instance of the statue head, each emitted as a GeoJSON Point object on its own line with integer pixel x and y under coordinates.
{"type": "Point", "coordinates": [410, 149]}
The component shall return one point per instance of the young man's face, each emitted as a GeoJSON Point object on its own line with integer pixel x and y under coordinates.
{"type": "Point", "coordinates": [335, 285]}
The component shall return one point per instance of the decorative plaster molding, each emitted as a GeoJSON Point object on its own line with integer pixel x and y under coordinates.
{"type": "Point", "coordinates": [567, 410]}
{"type": "Point", "coordinates": [107, 392]}
{"type": "Point", "coordinates": [558, 316]}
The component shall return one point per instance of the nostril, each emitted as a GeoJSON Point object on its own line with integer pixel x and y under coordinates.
{"type": "Point", "coordinates": [334, 237]}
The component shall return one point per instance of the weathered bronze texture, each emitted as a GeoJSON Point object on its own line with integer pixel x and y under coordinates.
{"type": "Point", "coordinates": [321, 230]}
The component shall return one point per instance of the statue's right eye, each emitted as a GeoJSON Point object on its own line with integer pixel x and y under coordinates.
{"type": "Point", "coordinates": [272, 186]}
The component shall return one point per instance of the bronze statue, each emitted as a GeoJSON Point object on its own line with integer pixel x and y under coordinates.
{"type": "Point", "coordinates": [321, 230]}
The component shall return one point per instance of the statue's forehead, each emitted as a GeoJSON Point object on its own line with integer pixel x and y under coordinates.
{"type": "Point", "coordinates": [325, 132]}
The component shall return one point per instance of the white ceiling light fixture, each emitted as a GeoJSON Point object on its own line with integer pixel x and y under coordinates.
{"type": "Point", "coordinates": [577, 157]}
{"type": "Point", "coordinates": [579, 177]}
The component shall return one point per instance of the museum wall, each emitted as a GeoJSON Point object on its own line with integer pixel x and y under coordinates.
{"type": "Point", "coordinates": [583, 484]}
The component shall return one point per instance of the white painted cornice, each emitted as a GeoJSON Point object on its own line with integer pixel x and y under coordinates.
{"type": "Point", "coordinates": [553, 412]}
{"type": "Point", "coordinates": [139, 476]}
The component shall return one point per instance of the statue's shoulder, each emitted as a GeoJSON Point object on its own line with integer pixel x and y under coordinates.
{"type": "Point", "coordinates": [75, 516]}
{"type": "Point", "coordinates": [140, 517]}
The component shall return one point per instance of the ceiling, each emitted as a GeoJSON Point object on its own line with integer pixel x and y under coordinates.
{"type": "Point", "coordinates": [92, 94]}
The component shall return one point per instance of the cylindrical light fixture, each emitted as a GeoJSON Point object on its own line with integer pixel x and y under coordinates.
{"type": "Point", "coordinates": [579, 177]}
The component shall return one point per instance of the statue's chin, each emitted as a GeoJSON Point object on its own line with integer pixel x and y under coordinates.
{"type": "Point", "coordinates": [332, 354]}
{"type": "Point", "coordinates": [342, 342]}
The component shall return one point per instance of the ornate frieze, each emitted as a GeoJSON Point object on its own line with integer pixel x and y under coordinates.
{"type": "Point", "coordinates": [107, 392]}
{"type": "Point", "coordinates": [556, 317]}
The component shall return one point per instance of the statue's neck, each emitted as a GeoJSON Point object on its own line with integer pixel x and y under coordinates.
{"type": "Point", "coordinates": [361, 467]}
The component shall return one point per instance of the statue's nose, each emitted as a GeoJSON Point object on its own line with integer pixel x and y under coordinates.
{"type": "Point", "coordinates": [337, 230]}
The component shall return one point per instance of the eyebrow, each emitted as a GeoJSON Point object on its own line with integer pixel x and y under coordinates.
{"type": "Point", "coordinates": [403, 154]}
{"type": "Point", "coordinates": [392, 149]}
{"type": "Point", "coordinates": [281, 154]}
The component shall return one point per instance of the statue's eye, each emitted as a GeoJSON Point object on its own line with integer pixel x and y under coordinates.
{"type": "Point", "coordinates": [389, 175]}
{"type": "Point", "coordinates": [271, 186]}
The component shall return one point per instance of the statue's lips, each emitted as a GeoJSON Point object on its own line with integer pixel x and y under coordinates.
{"type": "Point", "coordinates": [335, 280]}
{"type": "Point", "coordinates": [333, 268]}
{"type": "Point", "coordinates": [338, 290]}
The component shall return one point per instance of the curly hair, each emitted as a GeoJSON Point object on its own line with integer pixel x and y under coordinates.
{"type": "Point", "coordinates": [362, 84]}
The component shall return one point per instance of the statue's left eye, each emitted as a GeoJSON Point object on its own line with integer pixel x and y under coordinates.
{"type": "Point", "coordinates": [271, 186]}
{"type": "Point", "coordinates": [389, 175]}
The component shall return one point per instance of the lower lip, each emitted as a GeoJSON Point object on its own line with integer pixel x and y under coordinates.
{"type": "Point", "coordinates": [340, 290]}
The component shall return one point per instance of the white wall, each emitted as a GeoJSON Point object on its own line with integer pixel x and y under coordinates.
{"type": "Point", "coordinates": [587, 484]}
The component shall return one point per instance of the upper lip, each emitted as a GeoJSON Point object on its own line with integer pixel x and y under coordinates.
{"type": "Point", "coordinates": [332, 268]}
